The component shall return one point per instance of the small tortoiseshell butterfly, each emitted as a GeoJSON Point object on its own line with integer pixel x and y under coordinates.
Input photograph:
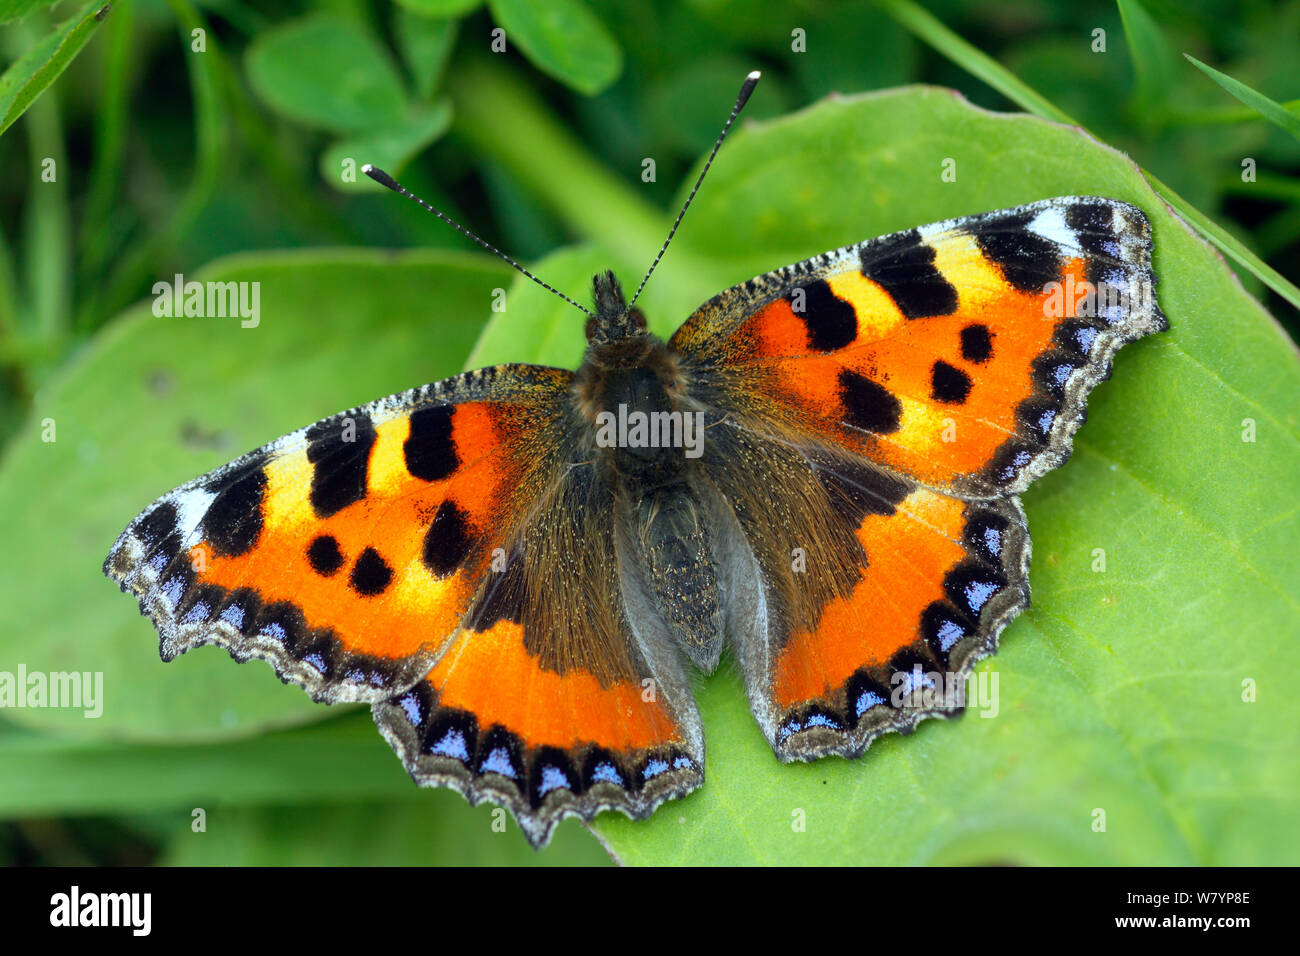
{"type": "Point", "coordinates": [819, 470]}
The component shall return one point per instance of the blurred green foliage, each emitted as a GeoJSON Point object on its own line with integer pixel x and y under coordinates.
{"type": "Point", "coordinates": [182, 133]}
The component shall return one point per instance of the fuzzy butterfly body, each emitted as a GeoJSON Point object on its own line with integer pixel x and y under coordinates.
{"type": "Point", "coordinates": [521, 600]}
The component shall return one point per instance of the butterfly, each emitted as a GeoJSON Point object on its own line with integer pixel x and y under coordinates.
{"type": "Point", "coordinates": [518, 568]}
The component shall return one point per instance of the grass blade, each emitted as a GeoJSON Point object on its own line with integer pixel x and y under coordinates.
{"type": "Point", "coordinates": [1273, 111]}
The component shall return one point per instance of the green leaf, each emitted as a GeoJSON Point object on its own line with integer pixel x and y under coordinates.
{"type": "Point", "coordinates": [1153, 59]}
{"type": "Point", "coordinates": [441, 8]}
{"type": "Point", "coordinates": [388, 149]}
{"type": "Point", "coordinates": [1122, 690]}
{"type": "Point", "coordinates": [32, 73]}
{"type": "Point", "coordinates": [440, 830]}
{"type": "Point", "coordinates": [1273, 111]}
{"type": "Point", "coordinates": [17, 9]}
{"type": "Point", "coordinates": [562, 38]}
{"type": "Point", "coordinates": [426, 45]}
{"type": "Point", "coordinates": [325, 70]}
{"type": "Point", "coordinates": [155, 401]}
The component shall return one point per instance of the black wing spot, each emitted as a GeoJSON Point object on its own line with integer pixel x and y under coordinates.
{"type": "Point", "coordinates": [324, 555]}
{"type": "Point", "coordinates": [282, 622]}
{"type": "Point", "coordinates": [241, 610]}
{"type": "Point", "coordinates": [447, 541]}
{"type": "Point", "coordinates": [1093, 224]}
{"type": "Point", "coordinates": [601, 766]}
{"type": "Point", "coordinates": [970, 587]}
{"type": "Point", "coordinates": [863, 693]}
{"type": "Point", "coordinates": [904, 267]}
{"type": "Point", "coordinates": [450, 733]}
{"type": "Point", "coordinates": [371, 575]}
{"type": "Point", "coordinates": [869, 405]}
{"type": "Point", "coordinates": [430, 452]}
{"type": "Point", "coordinates": [339, 475]}
{"type": "Point", "coordinates": [1078, 336]}
{"type": "Point", "coordinates": [160, 532]}
{"type": "Point", "coordinates": [832, 323]}
{"type": "Point", "coordinates": [976, 343]}
{"type": "Point", "coordinates": [500, 752]}
{"type": "Point", "coordinates": [1052, 372]}
{"type": "Point", "coordinates": [986, 536]}
{"type": "Point", "coordinates": [551, 770]}
{"type": "Point", "coordinates": [1008, 461]}
{"type": "Point", "coordinates": [1027, 260]}
{"type": "Point", "coordinates": [157, 525]}
{"type": "Point", "coordinates": [1035, 417]}
{"type": "Point", "coordinates": [948, 384]}
{"type": "Point", "coordinates": [233, 521]}
{"type": "Point", "coordinates": [942, 628]}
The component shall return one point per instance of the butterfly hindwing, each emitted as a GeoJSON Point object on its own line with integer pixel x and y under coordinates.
{"type": "Point", "coordinates": [897, 396]}
{"type": "Point", "coordinates": [562, 695]}
{"type": "Point", "coordinates": [863, 577]}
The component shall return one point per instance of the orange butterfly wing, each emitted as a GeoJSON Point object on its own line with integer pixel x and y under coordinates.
{"type": "Point", "coordinates": [562, 695]}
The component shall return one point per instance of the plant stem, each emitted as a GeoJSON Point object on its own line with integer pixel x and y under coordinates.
{"type": "Point", "coordinates": [500, 117]}
{"type": "Point", "coordinates": [97, 234]}
{"type": "Point", "coordinates": [46, 244]}
{"type": "Point", "coordinates": [209, 153]}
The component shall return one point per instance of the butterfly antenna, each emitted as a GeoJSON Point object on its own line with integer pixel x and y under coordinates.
{"type": "Point", "coordinates": [747, 88]}
{"type": "Point", "coordinates": [381, 177]}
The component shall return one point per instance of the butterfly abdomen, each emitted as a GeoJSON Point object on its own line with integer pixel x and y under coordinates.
{"type": "Point", "coordinates": [677, 556]}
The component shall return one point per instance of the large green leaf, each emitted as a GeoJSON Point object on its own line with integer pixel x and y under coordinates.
{"type": "Point", "coordinates": [439, 829]}
{"type": "Point", "coordinates": [1119, 690]}
{"type": "Point", "coordinates": [156, 401]}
